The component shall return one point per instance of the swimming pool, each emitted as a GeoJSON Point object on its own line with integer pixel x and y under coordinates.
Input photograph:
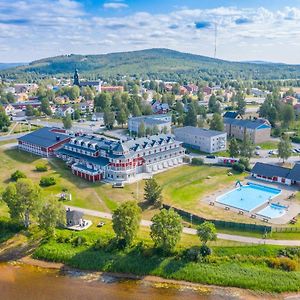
{"type": "Point", "coordinates": [273, 211]}
{"type": "Point", "coordinates": [248, 197]}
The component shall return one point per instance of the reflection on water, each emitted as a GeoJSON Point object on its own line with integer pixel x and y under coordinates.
{"type": "Point", "coordinates": [28, 282]}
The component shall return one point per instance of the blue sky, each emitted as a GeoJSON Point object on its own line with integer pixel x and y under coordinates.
{"type": "Point", "coordinates": [246, 30]}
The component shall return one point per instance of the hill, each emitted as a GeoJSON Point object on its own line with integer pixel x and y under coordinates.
{"type": "Point", "coordinates": [151, 63]}
{"type": "Point", "coordinates": [4, 66]}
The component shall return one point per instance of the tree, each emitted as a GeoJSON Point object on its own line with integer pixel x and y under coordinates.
{"type": "Point", "coordinates": [241, 106]}
{"type": "Point", "coordinates": [141, 130]}
{"type": "Point", "coordinates": [216, 122]}
{"type": "Point", "coordinates": [207, 232]}
{"type": "Point", "coordinates": [247, 147]}
{"type": "Point", "coordinates": [166, 229]}
{"type": "Point", "coordinates": [52, 214]}
{"type": "Point", "coordinates": [179, 108]}
{"type": "Point", "coordinates": [74, 92]}
{"type": "Point", "coordinates": [109, 118]}
{"type": "Point", "coordinates": [287, 115]}
{"type": "Point", "coordinates": [22, 199]}
{"type": "Point", "coordinates": [121, 117]}
{"type": "Point", "coordinates": [214, 104]}
{"type": "Point", "coordinates": [126, 221]}
{"type": "Point", "coordinates": [15, 176]}
{"type": "Point", "coordinates": [87, 93]}
{"type": "Point", "coordinates": [67, 121]}
{"type": "Point", "coordinates": [102, 101]}
{"type": "Point", "coordinates": [4, 119]}
{"type": "Point", "coordinates": [76, 115]}
{"type": "Point", "coordinates": [284, 148]}
{"type": "Point", "coordinates": [152, 192]}
{"type": "Point", "coordinates": [234, 149]}
{"type": "Point", "coordinates": [191, 116]}
{"type": "Point", "coordinates": [29, 111]}
{"type": "Point", "coordinates": [136, 112]}
{"type": "Point", "coordinates": [45, 107]}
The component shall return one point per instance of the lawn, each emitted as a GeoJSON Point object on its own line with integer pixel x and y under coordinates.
{"type": "Point", "coordinates": [270, 145]}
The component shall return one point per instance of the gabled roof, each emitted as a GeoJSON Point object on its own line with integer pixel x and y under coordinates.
{"type": "Point", "coordinates": [74, 214]}
{"type": "Point", "coordinates": [251, 124]}
{"type": "Point", "coordinates": [270, 170]}
{"type": "Point", "coordinates": [230, 114]}
{"type": "Point", "coordinates": [295, 173]}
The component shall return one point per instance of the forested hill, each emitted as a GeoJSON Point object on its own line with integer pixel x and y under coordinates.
{"type": "Point", "coordinates": [151, 64]}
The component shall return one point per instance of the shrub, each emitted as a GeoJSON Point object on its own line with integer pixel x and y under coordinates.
{"type": "Point", "coordinates": [282, 263]}
{"type": "Point", "coordinates": [204, 250]}
{"type": "Point", "coordinates": [79, 240]}
{"type": "Point", "coordinates": [238, 167]}
{"type": "Point", "coordinates": [289, 252]}
{"type": "Point", "coordinates": [296, 139]}
{"type": "Point", "coordinates": [47, 181]}
{"type": "Point", "coordinates": [197, 161]}
{"type": "Point", "coordinates": [4, 129]}
{"type": "Point", "coordinates": [17, 175]}
{"type": "Point", "coordinates": [245, 162]}
{"type": "Point", "coordinates": [192, 254]}
{"type": "Point", "coordinates": [41, 167]}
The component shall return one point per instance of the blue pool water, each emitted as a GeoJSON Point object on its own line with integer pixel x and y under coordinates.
{"type": "Point", "coordinates": [248, 197]}
{"type": "Point", "coordinates": [273, 211]}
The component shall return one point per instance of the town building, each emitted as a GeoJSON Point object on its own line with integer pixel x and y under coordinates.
{"type": "Point", "coordinates": [112, 89]}
{"type": "Point", "coordinates": [9, 109]}
{"type": "Point", "coordinates": [290, 100]}
{"type": "Point", "coordinates": [202, 139]}
{"type": "Point", "coordinates": [273, 173]}
{"type": "Point", "coordinates": [159, 107]}
{"type": "Point", "coordinates": [257, 130]}
{"type": "Point", "coordinates": [25, 87]}
{"type": "Point", "coordinates": [94, 84]}
{"type": "Point", "coordinates": [159, 122]}
{"type": "Point", "coordinates": [43, 141]}
{"type": "Point", "coordinates": [95, 159]}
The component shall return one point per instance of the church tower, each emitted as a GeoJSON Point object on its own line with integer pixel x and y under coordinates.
{"type": "Point", "coordinates": [76, 78]}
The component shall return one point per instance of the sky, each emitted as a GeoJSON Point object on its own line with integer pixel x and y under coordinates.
{"type": "Point", "coordinates": [266, 30]}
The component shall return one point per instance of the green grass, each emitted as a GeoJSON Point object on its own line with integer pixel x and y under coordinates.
{"type": "Point", "coordinates": [270, 145]}
{"type": "Point", "coordinates": [237, 266]}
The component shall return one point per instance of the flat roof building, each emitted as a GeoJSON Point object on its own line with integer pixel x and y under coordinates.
{"type": "Point", "coordinates": [202, 139]}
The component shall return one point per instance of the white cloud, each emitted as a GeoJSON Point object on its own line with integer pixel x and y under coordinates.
{"type": "Point", "coordinates": [31, 29]}
{"type": "Point", "coordinates": [114, 5]}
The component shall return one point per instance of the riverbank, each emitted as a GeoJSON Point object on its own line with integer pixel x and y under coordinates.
{"type": "Point", "coordinates": [156, 281]}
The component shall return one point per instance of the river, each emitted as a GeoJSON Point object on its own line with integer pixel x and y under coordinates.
{"type": "Point", "coordinates": [26, 282]}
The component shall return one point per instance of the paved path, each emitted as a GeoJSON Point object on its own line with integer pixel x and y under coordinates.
{"type": "Point", "coordinates": [12, 136]}
{"type": "Point", "coordinates": [222, 236]}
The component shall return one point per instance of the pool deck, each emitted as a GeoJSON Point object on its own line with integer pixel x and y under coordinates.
{"type": "Point", "coordinates": [283, 199]}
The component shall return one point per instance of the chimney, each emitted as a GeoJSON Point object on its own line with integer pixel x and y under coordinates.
{"type": "Point", "coordinates": [57, 138]}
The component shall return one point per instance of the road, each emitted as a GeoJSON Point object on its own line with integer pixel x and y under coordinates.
{"type": "Point", "coordinates": [222, 236]}
{"type": "Point", "coordinates": [11, 136]}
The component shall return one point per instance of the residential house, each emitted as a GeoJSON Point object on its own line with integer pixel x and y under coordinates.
{"type": "Point", "coordinates": [258, 130]}
{"type": "Point", "coordinates": [232, 115]}
{"type": "Point", "coordinates": [43, 141]}
{"type": "Point", "coordinates": [290, 100]}
{"type": "Point", "coordinates": [159, 107]}
{"type": "Point", "coordinates": [25, 87]}
{"type": "Point", "coordinates": [98, 117]}
{"type": "Point", "coordinates": [64, 110]}
{"type": "Point", "coordinates": [202, 139]}
{"type": "Point", "coordinates": [9, 109]}
{"type": "Point", "coordinates": [207, 90]}
{"type": "Point", "coordinates": [95, 159]}
{"type": "Point", "coordinates": [162, 122]}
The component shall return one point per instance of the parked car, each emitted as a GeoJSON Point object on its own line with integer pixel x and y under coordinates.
{"type": "Point", "coordinates": [257, 153]}
{"type": "Point", "coordinates": [257, 147]}
{"type": "Point", "coordinates": [211, 156]}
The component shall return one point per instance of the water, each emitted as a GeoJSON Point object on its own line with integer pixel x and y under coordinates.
{"type": "Point", "coordinates": [248, 197]}
{"type": "Point", "coordinates": [273, 211]}
{"type": "Point", "coordinates": [24, 282]}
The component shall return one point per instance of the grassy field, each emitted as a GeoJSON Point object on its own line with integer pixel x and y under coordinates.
{"type": "Point", "coordinates": [229, 265]}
